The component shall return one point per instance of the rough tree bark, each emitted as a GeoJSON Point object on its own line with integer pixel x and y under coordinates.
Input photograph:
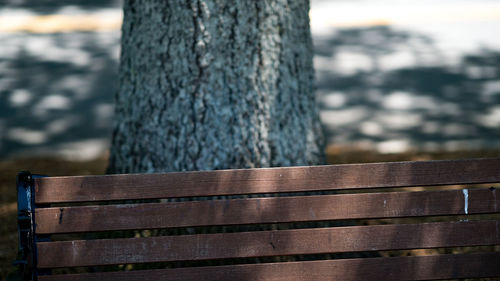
{"type": "Point", "coordinates": [215, 84]}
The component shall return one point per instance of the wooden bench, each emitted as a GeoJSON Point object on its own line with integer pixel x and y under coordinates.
{"type": "Point", "coordinates": [339, 222]}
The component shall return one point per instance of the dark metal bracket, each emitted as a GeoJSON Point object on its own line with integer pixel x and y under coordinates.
{"type": "Point", "coordinates": [27, 253]}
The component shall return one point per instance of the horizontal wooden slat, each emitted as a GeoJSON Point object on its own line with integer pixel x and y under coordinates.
{"type": "Point", "coordinates": [266, 243]}
{"type": "Point", "coordinates": [265, 210]}
{"type": "Point", "coordinates": [230, 182]}
{"type": "Point", "coordinates": [395, 268]}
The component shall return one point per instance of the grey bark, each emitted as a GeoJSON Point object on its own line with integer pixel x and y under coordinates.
{"type": "Point", "coordinates": [215, 84]}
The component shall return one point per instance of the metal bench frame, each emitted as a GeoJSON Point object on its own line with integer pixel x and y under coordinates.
{"type": "Point", "coordinates": [241, 182]}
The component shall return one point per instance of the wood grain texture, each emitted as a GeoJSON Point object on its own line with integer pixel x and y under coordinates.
{"type": "Point", "coordinates": [265, 210]}
{"type": "Point", "coordinates": [250, 181]}
{"type": "Point", "coordinates": [267, 243]}
{"type": "Point", "coordinates": [396, 268]}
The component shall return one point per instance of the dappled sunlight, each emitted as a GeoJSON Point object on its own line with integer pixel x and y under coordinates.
{"type": "Point", "coordinates": [393, 146]}
{"type": "Point", "coordinates": [56, 90]}
{"type": "Point", "coordinates": [109, 21]}
{"type": "Point", "coordinates": [46, 7]}
{"type": "Point", "coordinates": [431, 103]}
{"type": "Point", "coordinates": [20, 97]}
{"type": "Point", "coordinates": [45, 48]}
{"type": "Point", "coordinates": [398, 120]}
{"type": "Point", "coordinates": [61, 125]}
{"type": "Point", "coordinates": [343, 13]}
{"type": "Point", "coordinates": [381, 77]}
{"type": "Point", "coordinates": [491, 118]}
{"type": "Point", "coordinates": [52, 102]}
{"type": "Point", "coordinates": [26, 136]}
{"type": "Point", "coordinates": [371, 128]}
{"type": "Point", "coordinates": [83, 150]}
{"type": "Point", "coordinates": [343, 116]}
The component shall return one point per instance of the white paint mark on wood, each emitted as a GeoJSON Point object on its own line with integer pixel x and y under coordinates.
{"type": "Point", "coordinates": [466, 201]}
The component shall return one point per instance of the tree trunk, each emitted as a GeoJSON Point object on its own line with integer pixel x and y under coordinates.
{"type": "Point", "coordinates": [210, 84]}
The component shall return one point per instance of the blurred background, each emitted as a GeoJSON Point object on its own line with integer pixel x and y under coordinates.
{"type": "Point", "coordinates": [400, 75]}
{"type": "Point", "coordinates": [392, 75]}
{"type": "Point", "coordinates": [396, 80]}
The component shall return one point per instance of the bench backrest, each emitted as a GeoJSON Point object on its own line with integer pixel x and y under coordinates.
{"type": "Point", "coordinates": [240, 218]}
